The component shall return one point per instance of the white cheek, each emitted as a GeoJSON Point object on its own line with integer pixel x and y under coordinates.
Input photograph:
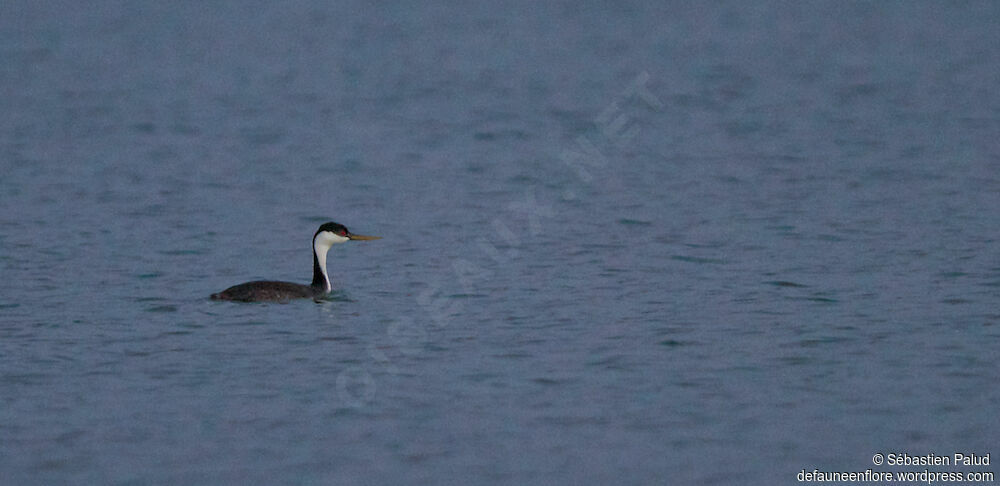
{"type": "Point", "coordinates": [327, 239]}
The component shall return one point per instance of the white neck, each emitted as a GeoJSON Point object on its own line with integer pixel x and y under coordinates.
{"type": "Point", "coordinates": [321, 247]}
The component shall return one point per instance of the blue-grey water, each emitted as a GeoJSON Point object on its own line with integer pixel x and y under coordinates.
{"type": "Point", "coordinates": [624, 243]}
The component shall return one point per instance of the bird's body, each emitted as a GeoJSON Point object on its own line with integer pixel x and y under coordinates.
{"type": "Point", "coordinates": [326, 236]}
{"type": "Point", "coordinates": [269, 290]}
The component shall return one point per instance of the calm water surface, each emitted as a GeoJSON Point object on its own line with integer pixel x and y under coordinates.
{"type": "Point", "coordinates": [654, 244]}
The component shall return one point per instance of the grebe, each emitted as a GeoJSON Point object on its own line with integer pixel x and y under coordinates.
{"type": "Point", "coordinates": [326, 236]}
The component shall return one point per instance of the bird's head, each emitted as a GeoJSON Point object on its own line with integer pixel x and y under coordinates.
{"type": "Point", "coordinates": [332, 233]}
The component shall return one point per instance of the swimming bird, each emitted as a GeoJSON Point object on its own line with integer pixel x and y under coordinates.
{"type": "Point", "coordinates": [326, 236]}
